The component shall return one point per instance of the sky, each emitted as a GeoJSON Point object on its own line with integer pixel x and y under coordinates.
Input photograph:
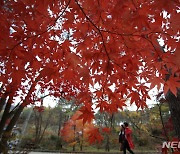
{"type": "Point", "coordinates": [49, 101]}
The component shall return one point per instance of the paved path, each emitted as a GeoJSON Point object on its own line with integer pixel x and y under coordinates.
{"type": "Point", "coordinates": [94, 153]}
{"type": "Point", "coordinates": [136, 152]}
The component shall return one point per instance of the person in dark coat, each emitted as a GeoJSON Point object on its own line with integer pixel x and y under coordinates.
{"type": "Point", "coordinates": [121, 137]}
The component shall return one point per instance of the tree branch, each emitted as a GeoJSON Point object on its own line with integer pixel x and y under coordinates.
{"type": "Point", "coordinates": [41, 33]}
{"type": "Point", "coordinates": [100, 33]}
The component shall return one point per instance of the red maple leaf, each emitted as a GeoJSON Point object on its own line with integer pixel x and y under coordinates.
{"type": "Point", "coordinates": [87, 115]}
{"type": "Point", "coordinates": [172, 84]}
{"type": "Point", "coordinates": [95, 136]}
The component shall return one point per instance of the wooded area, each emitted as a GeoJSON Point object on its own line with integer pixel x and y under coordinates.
{"type": "Point", "coordinates": [103, 54]}
{"type": "Point", "coordinates": [59, 129]}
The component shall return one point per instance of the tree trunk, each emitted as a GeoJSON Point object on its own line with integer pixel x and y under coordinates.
{"type": "Point", "coordinates": [7, 132]}
{"type": "Point", "coordinates": [5, 117]}
{"type": "Point", "coordinates": [2, 102]}
{"type": "Point", "coordinates": [74, 145]}
{"type": "Point", "coordinates": [60, 124]}
{"type": "Point", "coordinates": [82, 140]}
{"type": "Point", "coordinates": [46, 126]}
{"type": "Point", "coordinates": [174, 106]}
{"type": "Point", "coordinates": [38, 123]}
{"type": "Point", "coordinates": [107, 147]}
{"type": "Point", "coordinates": [162, 122]}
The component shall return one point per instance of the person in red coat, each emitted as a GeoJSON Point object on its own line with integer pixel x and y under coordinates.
{"type": "Point", "coordinates": [128, 143]}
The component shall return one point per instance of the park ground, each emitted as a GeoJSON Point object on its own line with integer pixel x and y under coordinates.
{"type": "Point", "coordinates": [94, 152]}
{"type": "Point", "coordinates": [145, 152]}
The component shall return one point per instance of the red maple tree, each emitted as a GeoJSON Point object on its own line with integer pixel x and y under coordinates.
{"type": "Point", "coordinates": [75, 130]}
{"type": "Point", "coordinates": [66, 46]}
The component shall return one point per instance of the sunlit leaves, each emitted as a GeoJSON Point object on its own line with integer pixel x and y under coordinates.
{"type": "Point", "coordinates": [172, 84]}
{"type": "Point", "coordinates": [69, 45]}
{"type": "Point", "coordinates": [86, 114]}
{"type": "Point", "coordinates": [156, 81]}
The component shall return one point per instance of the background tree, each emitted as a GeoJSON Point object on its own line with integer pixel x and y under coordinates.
{"type": "Point", "coordinates": [148, 132]}
{"type": "Point", "coordinates": [41, 123]}
{"type": "Point", "coordinates": [65, 110]}
{"type": "Point", "coordinates": [107, 123]}
{"type": "Point", "coordinates": [74, 132]}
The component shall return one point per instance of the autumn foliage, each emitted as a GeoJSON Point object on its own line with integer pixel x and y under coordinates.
{"type": "Point", "coordinates": [75, 130]}
{"type": "Point", "coordinates": [65, 47]}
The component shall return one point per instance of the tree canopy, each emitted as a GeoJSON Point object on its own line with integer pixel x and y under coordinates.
{"type": "Point", "coordinates": [68, 46]}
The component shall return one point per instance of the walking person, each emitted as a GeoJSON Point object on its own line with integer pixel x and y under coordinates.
{"type": "Point", "coordinates": [121, 137]}
{"type": "Point", "coordinates": [128, 143]}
